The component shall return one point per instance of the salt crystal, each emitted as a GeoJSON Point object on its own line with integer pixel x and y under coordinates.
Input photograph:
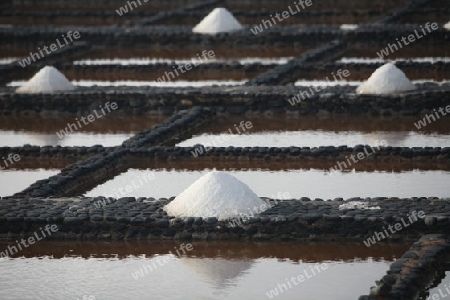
{"type": "Point", "coordinates": [216, 194]}
{"type": "Point", "coordinates": [47, 80]}
{"type": "Point", "coordinates": [219, 20]}
{"type": "Point", "coordinates": [385, 80]}
{"type": "Point", "coordinates": [357, 205]}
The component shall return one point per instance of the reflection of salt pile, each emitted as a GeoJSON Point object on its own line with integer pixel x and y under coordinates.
{"type": "Point", "coordinates": [357, 205]}
{"type": "Point", "coordinates": [385, 80]}
{"type": "Point", "coordinates": [221, 272]}
{"type": "Point", "coordinates": [219, 20]}
{"type": "Point", "coordinates": [215, 194]}
{"type": "Point", "coordinates": [47, 80]}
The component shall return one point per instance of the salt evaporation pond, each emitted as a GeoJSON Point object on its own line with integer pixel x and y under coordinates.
{"type": "Point", "coordinates": [175, 83]}
{"type": "Point", "coordinates": [41, 131]}
{"type": "Point", "coordinates": [208, 271]}
{"type": "Point", "coordinates": [14, 181]}
{"type": "Point", "coordinates": [317, 138]}
{"type": "Point", "coordinates": [153, 61]}
{"type": "Point", "coordinates": [313, 183]}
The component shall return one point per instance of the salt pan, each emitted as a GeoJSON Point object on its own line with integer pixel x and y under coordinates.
{"type": "Point", "coordinates": [216, 194]}
{"type": "Point", "coordinates": [219, 20]}
{"type": "Point", "coordinates": [385, 80]}
{"type": "Point", "coordinates": [47, 80]}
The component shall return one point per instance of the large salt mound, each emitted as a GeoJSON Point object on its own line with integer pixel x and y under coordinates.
{"type": "Point", "coordinates": [216, 194]}
{"type": "Point", "coordinates": [385, 80]}
{"type": "Point", "coordinates": [219, 20]}
{"type": "Point", "coordinates": [47, 80]}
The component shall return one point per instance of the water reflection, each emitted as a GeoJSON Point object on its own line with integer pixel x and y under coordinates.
{"type": "Point", "coordinates": [219, 272]}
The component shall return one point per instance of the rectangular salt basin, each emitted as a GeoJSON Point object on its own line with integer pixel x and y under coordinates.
{"type": "Point", "coordinates": [107, 131]}
{"type": "Point", "coordinates": [292, 183]}
{"type": "Point", "coordinates": [14, 181]}
{"type": "Point", "coordinates": [20, 138]}
{"type": "Point", "coordinates": [175, 83]}
{"type": "Point", "coordinates": [152, 61]}
{"type": "Point", "coordinates": [325, 83]}
{"type": "Point", "coordinates": [317, 138]}
{"type": "Point", "coordinates": [216, 275]}
{"type": "Point", "coordinates": [371, 60]}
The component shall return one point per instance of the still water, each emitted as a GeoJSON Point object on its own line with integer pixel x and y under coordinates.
{"type": "Point", "coordinates": [311, 183]}
{"type": "Point", "coordinates": [214, 270]}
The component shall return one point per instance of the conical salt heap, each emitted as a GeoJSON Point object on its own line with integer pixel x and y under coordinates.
{"type": "Point", "coordinates": [219, 20]}
{"type": "Point", "coordinates": [47, 80]}
{"type": "Point", "coordinates": [386, 79]}
{"type": "Point", "coordinates": [216, 194]}
{"type": "Point", "coordinates": [447, 26]}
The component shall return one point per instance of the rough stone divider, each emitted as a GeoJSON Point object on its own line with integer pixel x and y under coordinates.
{"type": "Point", "coordinates": [415, 270]}
{"type": "Point", "coordinates": [333, 153]}
{"type": "Point", "coordinates": [275, 76]}
{"type": "Point", "coordinates": [232, 99]}
{"type": "Point", "coordinates": [105, 165]}
{"type": "Point", "coordinates": [129, 218]}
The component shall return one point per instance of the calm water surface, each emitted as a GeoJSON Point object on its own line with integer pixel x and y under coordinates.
{"type": "Point", "coordinates": [208, 271]}
{"type": "Point", "coordinates": [311, 183]}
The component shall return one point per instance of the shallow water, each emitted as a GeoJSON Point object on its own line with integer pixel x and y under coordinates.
{"type": "Point", "coordinates": [175, 83]}
{"type": "Point", "coordinates": [208, 271]}
{"type": "Point", "coordinates": [14, 181]}
{"type": "Point", "coordinates": [316, 138]}
{"type": "Point", "coordinates": [20, 138]}
{"type": "Point", "coordinates": [152, 61]}
{"type": "Point", "coordinates": [286, 184]}
{"type": "Point", "coordinates": [371, 60]}
{"type": "Point", "coordinates": [107, 131]}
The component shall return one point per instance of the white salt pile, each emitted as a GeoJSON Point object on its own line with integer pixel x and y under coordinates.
{"type": "Point", "coordinates": [216, 194]}
{"type": "Point", "coordinates": [356, 205]}
{"type": "Point", "coordinates": [219, 20]}
{"type": "Point", "coordinates": [447, 26]}
{"type": "Point", "coordinates": [47, 80]}
{"type": "Point", "coordinates": [385, 80]}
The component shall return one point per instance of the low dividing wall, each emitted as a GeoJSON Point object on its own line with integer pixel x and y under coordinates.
{"type": "Point", "coordinates": [142, 219]}
{"type": "Point", "coordinates": [415, 271]}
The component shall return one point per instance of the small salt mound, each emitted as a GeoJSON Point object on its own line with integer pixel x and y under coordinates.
{"type": "Point", "coordinates": [216, 194]}
{"type": "Point", "coordinates": [356, 205]}
{"type": "Point", "coordinates": [447, 26]}
{"type": "Point", "coordinates": [219, 20]}
{"type": "Point", "coordinates": [385, 80]}
{"type": "Point", "coordinates": [47, 80]}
